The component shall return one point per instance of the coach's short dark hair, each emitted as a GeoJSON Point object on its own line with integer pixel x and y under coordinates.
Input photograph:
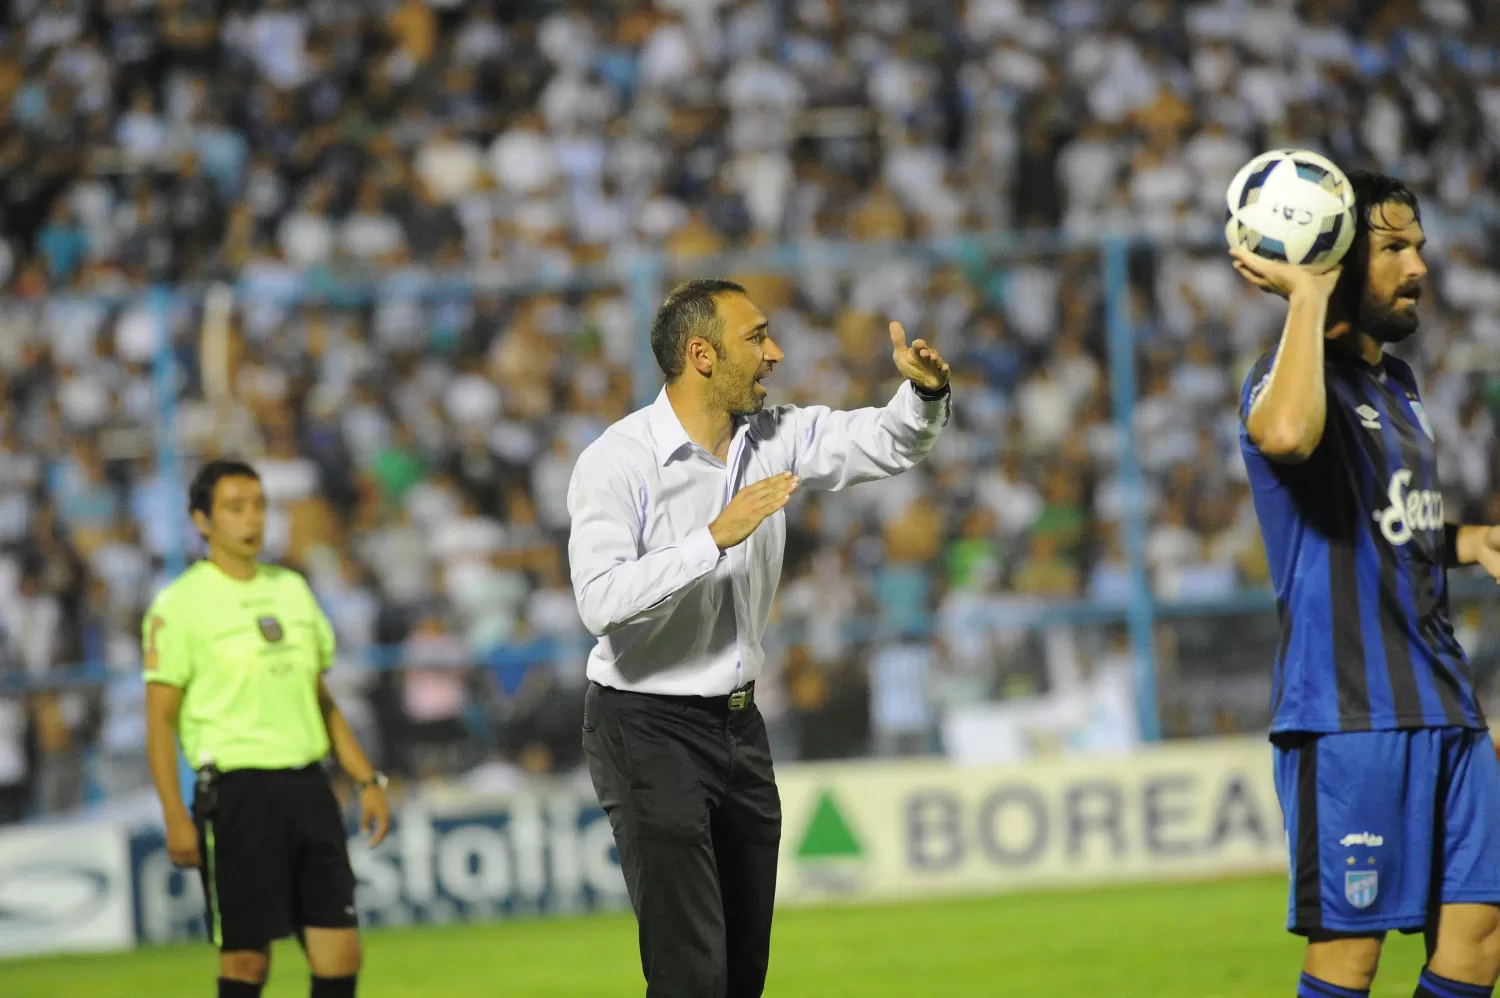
{"type": "Point", "coordinates": [201, 492]}
{"type": "Point", "coordinates": [690, 310]}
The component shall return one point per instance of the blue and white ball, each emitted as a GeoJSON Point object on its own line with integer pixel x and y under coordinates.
{"type": "Point", "coordinates": [1292, 205]}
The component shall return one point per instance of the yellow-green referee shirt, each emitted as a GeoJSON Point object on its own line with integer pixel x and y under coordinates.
{"type": "Point", "coordinates": [247, 656]}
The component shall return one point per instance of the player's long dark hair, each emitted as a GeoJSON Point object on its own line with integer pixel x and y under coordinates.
{"type": "Point", "coordinates": [1372, 193]}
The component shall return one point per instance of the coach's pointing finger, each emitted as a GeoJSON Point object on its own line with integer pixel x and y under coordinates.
{"type": "Point", "coordinates": [898, 336]}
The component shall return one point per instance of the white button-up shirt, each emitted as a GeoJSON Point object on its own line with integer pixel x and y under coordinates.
{"type": "Point", "coordinates": [674, 614]}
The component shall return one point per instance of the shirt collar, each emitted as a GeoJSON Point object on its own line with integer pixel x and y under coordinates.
{"type": "Point", "coordinates": [666, 429]}
{"type": "Point", "coordinates": [1339, 351]}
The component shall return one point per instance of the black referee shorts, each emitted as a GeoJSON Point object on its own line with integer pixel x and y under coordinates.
{"type": "Point", "coordinates": [275, 856]}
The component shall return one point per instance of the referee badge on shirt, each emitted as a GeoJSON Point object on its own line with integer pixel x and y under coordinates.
{"type": "Point", "coordinates": [270, 629]}
{"type": "Point", "coordinates": [1361, 886]}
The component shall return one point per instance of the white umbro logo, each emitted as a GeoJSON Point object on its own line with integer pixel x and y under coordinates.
{"type": "Point", "coordinates": [1369, 417]}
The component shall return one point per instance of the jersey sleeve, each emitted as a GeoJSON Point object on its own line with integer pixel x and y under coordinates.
{"type": "Point", "coordinates": [322, 630]}
{"type": "Point", "coordinates": [1255, 383]}
{"type": "Point", "coordinates": [167, 644]}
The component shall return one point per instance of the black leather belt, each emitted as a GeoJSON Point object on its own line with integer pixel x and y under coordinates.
{"type": "Point", "coordinates": [737, 700]}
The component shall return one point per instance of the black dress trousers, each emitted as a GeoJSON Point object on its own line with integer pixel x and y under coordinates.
{"type": "Point", "coordinates": [689, 789]}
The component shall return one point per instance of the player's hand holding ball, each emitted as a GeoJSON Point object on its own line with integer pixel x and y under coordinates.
{"type": "Point", "coordinates": [1282, 278]}
{"type": "Point", "coordinates": [1290, 222]}
{"type": "Point", "coordinates": [919, 363]}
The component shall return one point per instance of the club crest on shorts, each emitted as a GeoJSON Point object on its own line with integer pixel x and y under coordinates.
{"type": "Point", "coordinates": [1361, 886]}
{"type": "Point", "coordinates": [270, 629]}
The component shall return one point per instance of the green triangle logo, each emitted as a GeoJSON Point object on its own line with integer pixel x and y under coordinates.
{"type": "Point", "coordinates": [828, 835]}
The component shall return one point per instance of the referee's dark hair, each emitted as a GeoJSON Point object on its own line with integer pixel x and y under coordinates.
{"type": "Point", "coordinates": [690, 310]}
{"type": "Point", "coordinates": [201, 492]}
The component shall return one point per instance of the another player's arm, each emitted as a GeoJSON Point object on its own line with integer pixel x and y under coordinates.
{"type": "Point", "coordinates": [1287, 417]}
{"type": "Point", "coordinates": [169, 669]}
{"type": "Point", "coordinates": [374, 806]}
{"type": "Point", "coordinates": [1471, 544]}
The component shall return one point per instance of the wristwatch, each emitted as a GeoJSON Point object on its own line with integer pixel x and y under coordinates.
{"type": "Point", "coordinates": [378, 780]}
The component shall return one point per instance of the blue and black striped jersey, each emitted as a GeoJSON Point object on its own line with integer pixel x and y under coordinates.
{"type": "Point", "coordinates": [1354, 538]}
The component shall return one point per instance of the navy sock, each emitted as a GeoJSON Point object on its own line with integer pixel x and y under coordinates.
{"type": "Point", "coordinates": [1430, 985]}
{"type": "Point", "coordinates": [1311, 987]}
{"type": "Point", "coordinates": [238, 989]}
{"type": "Point", "coordinates": [333, 987]}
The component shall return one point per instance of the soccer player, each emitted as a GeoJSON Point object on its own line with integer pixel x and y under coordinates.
{"type": "Point", "coordinates": [1387, 777]}
{"type": "Point", "coordinates": [235, 653]}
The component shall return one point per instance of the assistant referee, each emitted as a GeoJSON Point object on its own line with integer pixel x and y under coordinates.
{"type": "Point", "coordinates": [235, 653]}
{"type": "Point", "coordinates": [675, 552]}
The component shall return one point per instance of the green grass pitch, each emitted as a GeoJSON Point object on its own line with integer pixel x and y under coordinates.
{"type": "Point", "coordinates": [1206, 940]}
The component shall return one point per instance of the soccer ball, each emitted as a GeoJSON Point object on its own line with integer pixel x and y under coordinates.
{"type": "Point", "coordinates": [1292, 205]}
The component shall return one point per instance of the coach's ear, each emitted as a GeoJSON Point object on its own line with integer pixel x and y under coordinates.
{"type": "Point", "coordinates": [701, 356]}
{"type": "Point", "coordinates": [200, 521]}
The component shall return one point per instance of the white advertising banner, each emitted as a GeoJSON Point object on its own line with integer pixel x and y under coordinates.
{"type": "Point", "coordinates": [908, 829]}
{"type": "Point", "coordinates": [463, 859]}
{"type": "Point", "coordinates": [64, 888]}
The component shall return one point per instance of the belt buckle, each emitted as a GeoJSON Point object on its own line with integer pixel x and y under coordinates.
{"type": "Point", "coordinates": [738, 699]}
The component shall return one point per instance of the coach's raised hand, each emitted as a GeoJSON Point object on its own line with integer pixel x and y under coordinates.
{"type": "Point", "coordinates": [751, 505]}
{"type": "Point", "coordinates": [919, 363]}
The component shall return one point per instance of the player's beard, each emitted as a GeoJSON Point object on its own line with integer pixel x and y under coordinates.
{"type": "Point", "coordinates": [1383, 321]}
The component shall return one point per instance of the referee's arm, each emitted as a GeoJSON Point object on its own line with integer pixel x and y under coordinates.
{"type": "Point", "coordinates": [169, 669]}
{"type": "Point", "coordinates": [374, 808]}
{"type": "Point", "coordinates": [375, 811]}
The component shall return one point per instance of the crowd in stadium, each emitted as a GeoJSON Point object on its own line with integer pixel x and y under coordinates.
{"type": "Point", "coordinates": [417, 448]}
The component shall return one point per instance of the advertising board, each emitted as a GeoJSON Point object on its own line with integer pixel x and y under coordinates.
{"type": "Point", "coordinates": [64, 888]}
{"type": "Point", "coordinates": [467, 860]}
{"type": "Point", "coordinates": [907, 829]}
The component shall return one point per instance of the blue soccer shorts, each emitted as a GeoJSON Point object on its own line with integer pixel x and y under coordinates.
{"type": "Point", "coordinates": [1384, 826]}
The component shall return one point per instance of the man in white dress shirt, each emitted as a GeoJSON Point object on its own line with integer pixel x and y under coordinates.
{"type": "Point", "coordinates": [675, 553]}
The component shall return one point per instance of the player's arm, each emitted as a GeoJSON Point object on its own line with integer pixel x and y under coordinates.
{"type": "Point", "coordinates": [617, 584]}
{"type": "Point", "coordinates": [834, 449]}
{"type": "Point", "coordinates": [1287, 414]}
{"type": "Point", "coordinates": [167, 650]}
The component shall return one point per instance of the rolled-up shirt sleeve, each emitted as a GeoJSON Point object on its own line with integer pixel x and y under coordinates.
{"type": "Point", "coordinates": [615, 582]}
{"type": "Point", "coordinates": [833, 449]}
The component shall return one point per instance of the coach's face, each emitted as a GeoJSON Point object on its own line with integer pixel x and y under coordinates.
{"type": "Point", "coordinates": [1393, 281]}
{"type": "Point", "coordinates": [748, 355]}
{"type": "Point", "coordinates": [238, 521]}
